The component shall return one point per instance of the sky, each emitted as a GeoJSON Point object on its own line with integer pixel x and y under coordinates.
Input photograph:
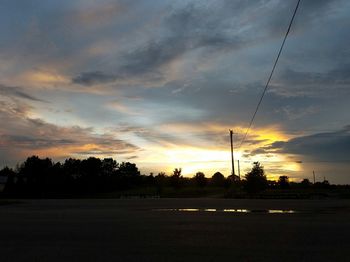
{"type": "Point", "coordinates": [160, 83]}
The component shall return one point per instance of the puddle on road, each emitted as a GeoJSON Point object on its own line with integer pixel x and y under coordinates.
{"type": "Point", "coordinates": [268, 211]}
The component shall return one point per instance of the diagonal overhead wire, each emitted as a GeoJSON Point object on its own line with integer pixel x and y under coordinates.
{"type": "Point", "coordinates": [271, 74]}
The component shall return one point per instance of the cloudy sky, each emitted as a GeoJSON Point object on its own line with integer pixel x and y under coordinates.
{"type": "Point", "coordinates": [161, 82]}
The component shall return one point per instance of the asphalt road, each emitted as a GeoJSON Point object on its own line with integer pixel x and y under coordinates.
{"type": "Point", "coordinates": [163, 230]}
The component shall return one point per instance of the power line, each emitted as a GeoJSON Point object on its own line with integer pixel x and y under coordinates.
{"type": "Point", "coordinates": [272, 71]}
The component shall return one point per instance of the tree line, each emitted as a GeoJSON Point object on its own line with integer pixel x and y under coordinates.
{"type": "Point", "coordinates": [41, 177]}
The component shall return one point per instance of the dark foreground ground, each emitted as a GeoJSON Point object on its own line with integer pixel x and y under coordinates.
{"type": "Point", "coordinates": [151, 230]}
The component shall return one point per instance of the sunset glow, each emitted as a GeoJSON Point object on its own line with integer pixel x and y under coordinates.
{"type": "Point", "coordinates": [161, 83]}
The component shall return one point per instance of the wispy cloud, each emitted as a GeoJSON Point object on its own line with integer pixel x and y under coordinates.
{"type": "Point", "coordinates": [91, 78]}
{"type": "Point", "coordinates": [17, 92]}
{"type": "Point", "coordinates": [23, 135]}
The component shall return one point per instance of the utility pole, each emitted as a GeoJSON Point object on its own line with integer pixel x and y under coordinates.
{"type": "Point", "coordinates": [239, 171]}
{"type": "Point", "coordinates": [232, 158]}
{"type": "Point", "coordinates": [313, 172]}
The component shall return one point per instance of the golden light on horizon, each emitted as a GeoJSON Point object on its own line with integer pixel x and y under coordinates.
{"type": "Point", "coordinates": [189, 159]}
{"type": "Point", "coordinates": [208, 158]}
{"type": "Point", "coordinates": [271, 134]}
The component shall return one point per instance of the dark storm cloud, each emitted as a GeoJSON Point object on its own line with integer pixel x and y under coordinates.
{"type": "Point", "coordinates": [34, 142]}
{"type": "Point", "coordinates": [62, 31]}
{"type": "Point", "coordinates": [92, 78]}
{"type": "Point", "coordinates": [252, 141]}
{"type": "Point", "coordinates": [195, 26]}
{"type": "Point", "coordinates": [331, 146]}
{"type": "Point", "coordinates": [259, 151]}
{"type": "Point", "coordinates": [187, 29]}
{"type": "Point", "coordinates": [17, 92]}
{"type": "Point", "coordinates": [297, 83]}
{"type": "Point", "coordinates": [99, 151]}
{"type": "Point", "coordinates": [198, 27]}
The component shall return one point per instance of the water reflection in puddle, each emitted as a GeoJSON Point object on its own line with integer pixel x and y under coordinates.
{"type": "Point", "coordinates": [278, 211]}
{"type": "Point", "coordinates": [268, 211]}
{"type": "Point", "coordinates": [236, 210]}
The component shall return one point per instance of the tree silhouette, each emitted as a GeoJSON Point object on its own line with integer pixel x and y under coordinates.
{"type": "Point", "coordinates": [37, 177]}
{"type": "Point", "coordinates": [71, 167]}
{"type": "Point", "coordinates": [160, 181]}
{"type": "Point", "coordinates": [200, 179]}
{"type": "Point", "coordinates": [128, 175]}
{"type": "Point", "coordinates": [109, 166]}
{"type": "Point", "coordinates": [305, 183]}
{"type": "Point", "coordinates": [255, 180]}
{"type": "Point", "coordinates": [283, 182]}
{"type": "Point", "coordinates": [10, 182]}
{"type": "Point", "coordinates": [218, 179]}
{"type": "Point", "coordinates": [35, 171]}
{"type": "Point", "coordinates": [91, 171]}
{"type": "Point", "coordinates": [176, 178]}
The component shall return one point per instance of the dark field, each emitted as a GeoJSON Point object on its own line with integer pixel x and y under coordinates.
{"type": "Point", "coordinates": [150, 230]}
